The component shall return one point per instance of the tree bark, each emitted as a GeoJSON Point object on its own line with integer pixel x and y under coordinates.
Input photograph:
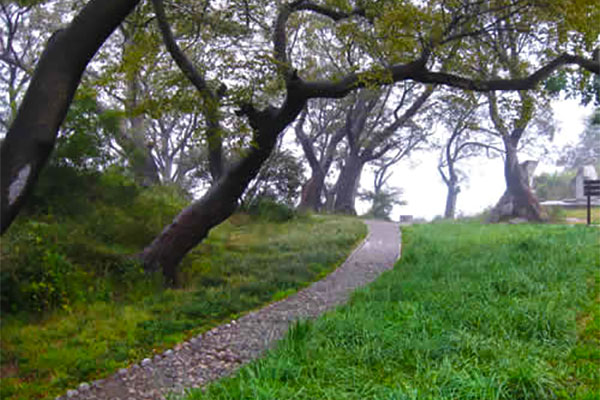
{"type": "Point", "coordinates": [518, 201]}
{"type": "Point", "coordinates": [347, 185]}
{"type": "Point", "coordinates": [192, 224]}
{"type": "Point", "coordinates": [311, 192]}
{"type": "Point", "coordinates": [453, 191]}
{"type": "Point", "coordinates": [31, 138]}
{"type": "Point", "coordinates": [526, 204]}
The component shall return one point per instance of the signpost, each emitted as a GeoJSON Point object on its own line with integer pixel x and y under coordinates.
{"type": "Point", "coordinates": [590, 188]}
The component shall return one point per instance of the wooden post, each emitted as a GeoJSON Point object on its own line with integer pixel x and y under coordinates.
{"type": "Point", "coordinates": [589, 209]}
{"type": "Point", "coordinates": [590, 188]}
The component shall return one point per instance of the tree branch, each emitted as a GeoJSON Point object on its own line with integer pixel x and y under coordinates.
{"type": "Point", "coordinates": [211, 99]}
{"type": "Point", "coordinates": [418, 72]}
{"type": "Point", "coordinates": [184, 64]}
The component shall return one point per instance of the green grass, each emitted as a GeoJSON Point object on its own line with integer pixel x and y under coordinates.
{"type": "Point", "coordinates": [470, 312]}
{"type": "Point", "coordinates": [581, 213]}
{"type": "Point", "coordinates": [244, 264]}
{"type": "Point", "coordinates": [569, 215]}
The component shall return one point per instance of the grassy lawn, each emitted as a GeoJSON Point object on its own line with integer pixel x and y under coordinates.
{"type": "Point", "coordinates": [581, 213]}
{"type": "Point", "coordinates": [569, 215]}
{"type": "Point", "coordinates": [244, 264]}
{"type": "Point", "coordinates": [470, 312]}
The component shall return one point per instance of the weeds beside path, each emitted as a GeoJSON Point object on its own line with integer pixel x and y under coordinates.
{"type": "Point", "coordinates": [244, 264]}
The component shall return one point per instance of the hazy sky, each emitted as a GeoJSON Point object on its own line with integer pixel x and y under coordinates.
{"type": "Point", "coordinates": [426, 193]}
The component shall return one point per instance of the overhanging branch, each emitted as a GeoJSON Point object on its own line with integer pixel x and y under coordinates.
{"type": "Point", "coordinates": [418, 72]}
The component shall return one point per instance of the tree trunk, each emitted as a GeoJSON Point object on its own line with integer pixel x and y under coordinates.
{"type": "Point", "coordinates": [347, 185]}
{"type": "Point", "coordinates": [139, 153]}
{"type": "Point", "coordinates": [311, 192]}
{"type": "Point", "coordinates": [31, 137]}
{"type": "Point", "coordinates": [453, 191]}
{"type": "Point", "coordinates": [133, 136]}
{"type": "Point", "coordinates": [518, 201]}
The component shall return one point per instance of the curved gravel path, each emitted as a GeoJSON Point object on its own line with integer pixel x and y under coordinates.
{"type": "Point", "coordinates": [222, 350]}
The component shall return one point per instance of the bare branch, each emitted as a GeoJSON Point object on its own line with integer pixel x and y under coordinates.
{"type": "Point", "coordinates": [180, 58]}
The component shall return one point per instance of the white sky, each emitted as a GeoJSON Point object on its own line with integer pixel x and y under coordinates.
{"type": "Point", "coordinates": [425, 191]}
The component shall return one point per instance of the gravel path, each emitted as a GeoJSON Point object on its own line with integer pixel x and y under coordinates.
{"type": "Point", "coordinates": [222, 350]}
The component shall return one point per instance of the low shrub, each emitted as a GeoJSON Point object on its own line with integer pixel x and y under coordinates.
{"type": "Point", "coordinates": [271, 210]}
{"type": "Point", "coordinates": [555, 214]}
{"type": "Point", "coordinates": [75, 240]}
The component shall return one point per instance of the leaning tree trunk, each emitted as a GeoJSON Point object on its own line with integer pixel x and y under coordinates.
{"type": "Point", "coordinates": [347, 185]}
{"type": "Point", "coordinates": [518, 201]}
{"type": "Point", "coordinates": [192, 225]}
{"type": "Point", "coordinates": [32, 135]}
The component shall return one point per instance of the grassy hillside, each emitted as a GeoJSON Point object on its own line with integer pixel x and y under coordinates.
{"type": "Point", "coordinates": [75, 309]}
{"type": "Point", "coordinates": [470, 312]}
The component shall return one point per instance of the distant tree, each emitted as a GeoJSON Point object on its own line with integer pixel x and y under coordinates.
{"type": "Point", "coordinates": [587, 150]}
{"type": "Point", "coordinates": [376, 124]}
{"type": "Point", "coordinates": [461, 115]}
{"type": "Point", "coordinates": [323, 119]}
{"type": "Point", "coordinates": [514, 118]}
{"type": "Point", "coordinates": [279, 179]}
{"type": "Point", "coordinates": [383, 198]}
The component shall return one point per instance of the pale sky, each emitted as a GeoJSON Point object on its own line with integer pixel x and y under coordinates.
{"type": "Point", "coordinates": [426, 193]}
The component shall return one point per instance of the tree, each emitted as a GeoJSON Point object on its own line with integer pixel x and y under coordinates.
{"type": "Point", "coordinates": [512, 115]}
{"type": "Point", "coordinates": [382, 198]}
{"type": "Point", "coordinates": [371, 131]}
{"type": "Point", "coordinates": [461, 117]}
{"type": "Point", "coordinates": [587, 151]}
{"type": "Point", "coordinates": [319, 146]}
{"type": "Point", "coordinates": [401, 42]}
{"type": "Point", "coordinates": [279, 179]}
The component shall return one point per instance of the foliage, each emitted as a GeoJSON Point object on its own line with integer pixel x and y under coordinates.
{"type": "Point", "coordinates": [105, 313]}
{"type": "Point", "coordinates": [555, 214]}
{"type": "Point", "coordinates": [556, 186]}
{"type": "Point", "coordinates": [84, 135]}
{"type": "Point", "coordinates": [280, 179]}
{"type": "Point", "coordinates": [68, 247]}
{"type": "Point", "coordinates": [270, 210]}
{"type": "Point", "coordinates": [471, 311]}
{"type": "Point", "coordinates": [571, 216]}
{"type": "Point", "coordinates": [382, 202]}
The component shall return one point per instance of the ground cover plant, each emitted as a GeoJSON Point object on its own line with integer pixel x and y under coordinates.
{"type": "Point", "coordinates": [471, 311]}
{"type": "Point", "coordinates": [74, 310]}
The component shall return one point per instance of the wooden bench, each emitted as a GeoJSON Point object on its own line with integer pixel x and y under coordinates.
{"type": "Point", "coordinates": [590, 188]}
